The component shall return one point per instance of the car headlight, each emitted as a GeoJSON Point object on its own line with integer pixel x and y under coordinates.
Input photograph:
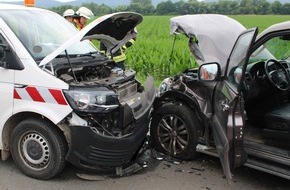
{"type": "Point", "coordinates": [164, 86]}
{"type": "Point", "coordinates": [92, 100]}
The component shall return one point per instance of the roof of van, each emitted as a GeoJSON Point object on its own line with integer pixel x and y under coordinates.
{"type": "Point", "coordinates": [8, 6]}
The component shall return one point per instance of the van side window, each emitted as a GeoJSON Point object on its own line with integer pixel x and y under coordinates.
{"type": "Point", "coordinates": [2, 50]}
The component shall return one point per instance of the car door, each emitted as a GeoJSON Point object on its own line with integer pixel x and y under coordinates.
{"type": "Point", "coordinates": [228, 118]}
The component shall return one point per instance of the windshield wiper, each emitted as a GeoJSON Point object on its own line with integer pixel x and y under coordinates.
{"type": "Point", "coordinates": [91, 54]}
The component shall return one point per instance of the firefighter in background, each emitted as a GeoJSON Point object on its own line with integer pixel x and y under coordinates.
{"type": "Point", "coordinates": [82, 15]}
{"type": "Point", "coordinates": [119, 56]}
{"type": "Point", "coordinates": [69, 15]}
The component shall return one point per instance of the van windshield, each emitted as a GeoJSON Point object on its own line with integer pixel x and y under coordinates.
{"type": "Point", "coordinates": [41, 32]}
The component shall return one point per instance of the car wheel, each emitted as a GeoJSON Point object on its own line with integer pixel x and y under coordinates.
{"type": "Point", "coordinates": [38, 149]}
{"type": "Point", "coordinates": [175, 130]}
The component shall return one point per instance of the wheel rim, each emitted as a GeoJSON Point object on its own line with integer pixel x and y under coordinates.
{"type": "Point", "coordinates": [172, 134]}
{"type": "Point", "coordinates": [35, 150]}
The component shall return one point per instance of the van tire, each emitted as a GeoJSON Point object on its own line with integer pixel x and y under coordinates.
{"type": "Point", "coordinates": [183, 129]}
{"type": "Point", "coordinates": [38, 149]}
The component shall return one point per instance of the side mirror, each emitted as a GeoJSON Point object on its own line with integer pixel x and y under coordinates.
{"type": "Point", "coordinates": [9, 59]}
{"type": "Point", "coordinates": [209, 72]}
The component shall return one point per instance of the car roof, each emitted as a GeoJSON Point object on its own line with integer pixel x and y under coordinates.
{"type": "Point", "coordinates": [276, 27]}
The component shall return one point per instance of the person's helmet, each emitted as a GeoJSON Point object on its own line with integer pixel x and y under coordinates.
{"type": "Point", "coordinates": [68, 12]}
{"type": "Point", "coordinates": [85, 12]}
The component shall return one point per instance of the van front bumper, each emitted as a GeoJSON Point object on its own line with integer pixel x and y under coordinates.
{"type": "Point", "coordinates": [90, 149]}
{"type": "Point", "coordinates": [93, 151]}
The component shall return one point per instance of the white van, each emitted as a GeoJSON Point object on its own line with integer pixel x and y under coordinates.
{"type": "Point", "coordinates": [62, 100]}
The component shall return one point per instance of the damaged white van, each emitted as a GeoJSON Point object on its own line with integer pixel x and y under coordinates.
{"type": "Point", "coordinates": [62, 100]}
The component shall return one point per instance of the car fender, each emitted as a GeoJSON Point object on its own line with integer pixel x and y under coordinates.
{"type": "Point", "coordinates": [177, 96]}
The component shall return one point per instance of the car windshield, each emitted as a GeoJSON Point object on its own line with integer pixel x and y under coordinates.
{"type": "Point", "coordinates": [276, 48]}
{"type": "Point", "coordinates": [41, 32]}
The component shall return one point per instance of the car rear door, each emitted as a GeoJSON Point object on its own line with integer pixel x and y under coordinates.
{"type": "Point", "coordinates": [228, 118]}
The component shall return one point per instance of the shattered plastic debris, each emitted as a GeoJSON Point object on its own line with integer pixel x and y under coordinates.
{"type": "Point", "coordinates": [91, 177]}
{"type": "Point", "coordinates": [179, 170]}
{"type": "Point", "coordinates": [168, 165]}
{"type": "Point", "coordinates": [198, 169]}
{"type": "Point", "coordinates": [162, 157]}
{"type": "Point", "coordinates": [170, 160]}
{"type": "Point", "coordinates": [173, 161]}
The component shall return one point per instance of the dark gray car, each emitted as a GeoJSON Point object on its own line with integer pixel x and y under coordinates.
{"type": "Point", "coordinates": [235, 105]}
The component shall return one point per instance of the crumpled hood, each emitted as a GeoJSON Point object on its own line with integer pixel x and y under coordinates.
{"type": "Point", "coordinates": [114, 30]}
{"type": "Point", "coordinates": [215, 35]}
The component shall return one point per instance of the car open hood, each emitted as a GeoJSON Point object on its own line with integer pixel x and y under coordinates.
{"type": "Point", "coordinates": [114, 30]}
{"type": "Point", "coordinates": [214, 35]}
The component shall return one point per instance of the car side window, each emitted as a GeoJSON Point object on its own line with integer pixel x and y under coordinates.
{"type": "Point", "coordinates": [235, 75]}
{"type": "Point", "coordinates": [239, 57]}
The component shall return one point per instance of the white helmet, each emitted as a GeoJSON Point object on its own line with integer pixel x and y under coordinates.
{"type": "Point", "coordinates": [68, 12]}
{"type": "Point", "coordinates": [85, 12]}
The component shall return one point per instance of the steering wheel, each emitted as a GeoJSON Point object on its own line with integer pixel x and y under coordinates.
{"type": "Point", "coordinates": [277, 74]}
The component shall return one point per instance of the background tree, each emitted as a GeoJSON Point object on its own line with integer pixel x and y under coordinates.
{"type": "Point", "coordinates": [285, 9]}
{"type": "Point", "coordinates": [142, 6]}
{"type": "Point", "coordinates": [276, 7]}
{"type": "Point", "coordinates": [227, 7]}
{"type": "Point", "coordinates": [166, 7]}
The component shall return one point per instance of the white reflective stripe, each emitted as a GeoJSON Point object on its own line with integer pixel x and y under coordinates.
{"type": "Point", "coordinates": [23, 94]}
{"type": "Point", "coordinates": [46, 95]}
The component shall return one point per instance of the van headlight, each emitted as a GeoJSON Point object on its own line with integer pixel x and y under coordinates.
{"type": "Point", "coordinates": [92, 100]}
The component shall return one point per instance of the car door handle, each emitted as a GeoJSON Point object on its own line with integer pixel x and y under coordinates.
{"type": "Point", "coordinates": [225, 106]}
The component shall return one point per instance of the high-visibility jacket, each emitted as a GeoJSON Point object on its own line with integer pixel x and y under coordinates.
{"type": "Point", "coordinates": [77, 24]}
{"type": "Point", "coordinates": [119, 55]}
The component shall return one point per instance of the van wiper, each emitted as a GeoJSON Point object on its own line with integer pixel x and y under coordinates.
{"type": "Point", "coordinates": [66, 55]}
{"type": "Point", "coordinates": [91, 54]}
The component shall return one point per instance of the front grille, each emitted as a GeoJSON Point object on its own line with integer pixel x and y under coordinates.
{"type": "Point", "coordinates": [110, 157]}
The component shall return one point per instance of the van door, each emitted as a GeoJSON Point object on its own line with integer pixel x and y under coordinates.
{"type": "Point", "coordinates": [228, 118]}
{"type": "Point", "coordinates": [6, 86]}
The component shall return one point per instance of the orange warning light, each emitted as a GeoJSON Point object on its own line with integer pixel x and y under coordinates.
{"type": "Point", "coordinates": [29, 3]}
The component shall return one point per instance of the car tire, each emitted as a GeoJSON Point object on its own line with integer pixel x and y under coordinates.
{"type": "Point", "coordinates": [38, 149]}
{"type": "Point", "coordinates": [175, 130]}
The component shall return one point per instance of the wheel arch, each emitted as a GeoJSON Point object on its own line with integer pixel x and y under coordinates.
{"type": "Point", "coordinates": [12, 122]}
{"type": "Point", "coordinates": [179, 97]}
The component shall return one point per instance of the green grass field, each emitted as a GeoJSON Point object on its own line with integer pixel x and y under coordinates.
{"type": "Point", "coordinates": [151, 52]}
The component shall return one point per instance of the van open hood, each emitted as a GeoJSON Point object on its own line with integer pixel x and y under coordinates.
{"type": "Point", "coordinates": [213, 35]}
{"type": "Point", "coordinates": [114, 30]}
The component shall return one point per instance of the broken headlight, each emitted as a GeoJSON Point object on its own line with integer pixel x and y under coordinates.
{"type": "Point", "coordinates": [164, 86]}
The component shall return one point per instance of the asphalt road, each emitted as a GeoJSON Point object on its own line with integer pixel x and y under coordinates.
{"type": "Point", "coordinates": [204, 173]}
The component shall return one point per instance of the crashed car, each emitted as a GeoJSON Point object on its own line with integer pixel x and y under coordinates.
{"type": "Point", "coordinates": [235, 105]}
{"type": "Point", "coordinates": [64, 101]}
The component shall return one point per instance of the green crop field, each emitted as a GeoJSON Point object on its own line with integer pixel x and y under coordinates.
{"type": "Point", "coordinates": [152, 51]}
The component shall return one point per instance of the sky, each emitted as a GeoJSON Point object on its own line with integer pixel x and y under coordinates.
{"type": "Point", "coordinates": [34, 0]}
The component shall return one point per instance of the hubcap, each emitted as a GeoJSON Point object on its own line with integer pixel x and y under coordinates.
{"type": "Point", "coordinates": [172, 134]}
{"type": "Point", "coordinates": [35, 150]}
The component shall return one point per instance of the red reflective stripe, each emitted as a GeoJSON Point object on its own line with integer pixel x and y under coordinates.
{"type": "Point", "coordinates": [58, 96]}
{"type": "Point", "coordinates": [16, 95]}
{"type": "Point", "coordinates": [34, 94]}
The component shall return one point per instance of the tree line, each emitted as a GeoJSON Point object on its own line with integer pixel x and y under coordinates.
{"type": "Point", "coordinates": [227, 7]}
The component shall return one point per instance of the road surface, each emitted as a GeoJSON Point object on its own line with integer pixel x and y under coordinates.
{"type": "Point", "coordinates": [204, 173]}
